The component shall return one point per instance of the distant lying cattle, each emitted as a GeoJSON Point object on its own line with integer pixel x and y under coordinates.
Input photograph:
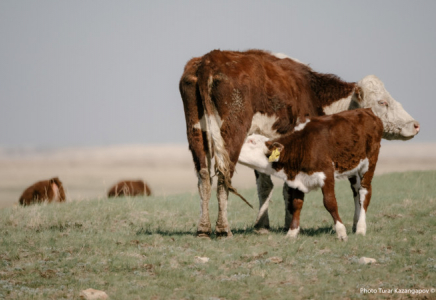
{"type": "Point", "coordinates": [343, 145]}
{"type": "Point", "coordinates": [129, 188]}
{"type": "Point", "coordinates": [50, 190]}
{"type": "Point", "coordinates": [228, 95]}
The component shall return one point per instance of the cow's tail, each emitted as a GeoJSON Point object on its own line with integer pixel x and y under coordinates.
{"type": "Point", "coordinates": [216, 143]}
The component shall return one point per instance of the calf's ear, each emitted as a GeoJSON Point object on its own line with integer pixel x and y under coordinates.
{"type": "Point", "coordinates": [271, 146]}
{"type": "Point", "coordinates": [273, 151]}
{"type": "Point", "coordinates": [278, 146]}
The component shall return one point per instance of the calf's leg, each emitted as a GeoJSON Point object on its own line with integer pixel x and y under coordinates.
{"type": "Point", "coordinates": [328, 191]}
{"type": "Point", "coordinates": [295, 207]}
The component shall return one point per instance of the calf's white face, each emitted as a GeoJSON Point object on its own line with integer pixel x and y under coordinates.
{"type": "Point", "coordinates": [254, 154]}
{"type": "Point", "coordinates": [397, 123]}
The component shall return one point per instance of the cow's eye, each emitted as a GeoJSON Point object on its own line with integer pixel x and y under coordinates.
{"type": "Point", "coordinates": [383, 103]}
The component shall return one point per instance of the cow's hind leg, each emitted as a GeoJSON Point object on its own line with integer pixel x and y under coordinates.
{"type": "Point", "coordinates": [264, 192]}
{"type": "Point", "coordinates": [328, 191]}
{"type": "Point", "coordinates": [196, 131]}
{"type": "Point", "coordinates": [222, 225]}
{"type": "Point", "coordinates": [295, 207]}
{"type": "Point", "coordinates": [204, 188]}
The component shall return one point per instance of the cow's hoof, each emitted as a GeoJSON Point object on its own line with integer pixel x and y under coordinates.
{"type": "Point", "coordinates": [224, 234]}
{"type": "Point", "coordinates": [262, 231]}
{"type": "Point", "coordinates": [203, 235]}
{"type": "Point", "coordinates": [261, 226]}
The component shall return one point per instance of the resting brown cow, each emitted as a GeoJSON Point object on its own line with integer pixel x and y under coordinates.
{"type": "Point", "coordinates": [50, 190]}
{"type": "Point", "coordinates": [129, 188]}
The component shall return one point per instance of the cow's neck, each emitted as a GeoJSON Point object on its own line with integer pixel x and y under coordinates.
{"type": "Point", "coordinates": [332, 95]}
{"type": "Point", "coordinates": [343, 104]}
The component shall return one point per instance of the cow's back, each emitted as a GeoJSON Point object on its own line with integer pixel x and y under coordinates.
{"type": "Point", "coordinates": [255, 81]}
{"type": "Point", "coordinates": [37, 192]}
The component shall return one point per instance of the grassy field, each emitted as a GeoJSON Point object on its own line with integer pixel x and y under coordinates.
{"type": "Point", "coordinates": [145, 248]}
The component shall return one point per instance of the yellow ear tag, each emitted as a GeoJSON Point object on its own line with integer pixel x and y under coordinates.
{"type": "Point", "coordinates": [274, 155]}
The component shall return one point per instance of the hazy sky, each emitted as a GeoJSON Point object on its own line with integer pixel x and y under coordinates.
{"type": "Point", "coordinates": [88, 73]}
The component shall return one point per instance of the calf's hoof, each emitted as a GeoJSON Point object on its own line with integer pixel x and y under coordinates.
{"type": "Point", "coordinates": [343, 238]}
{"type": "Point", "coordinates": [293, 233]}
{"type": "Point", "coordinates": [361, 229]}
{"type": "Point", "coordinates": [341, 231]}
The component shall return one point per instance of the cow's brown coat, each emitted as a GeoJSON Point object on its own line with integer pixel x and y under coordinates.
{"type": "Point", "coordinates": [44, 190]}
{"type": "Point", "coordinates": [129, 188]}
{"type": "Point", "coordinates": [236, 85]}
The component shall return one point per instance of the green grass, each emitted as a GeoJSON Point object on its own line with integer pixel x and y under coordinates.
{"type": "Point", "coordinates": [145, 248]}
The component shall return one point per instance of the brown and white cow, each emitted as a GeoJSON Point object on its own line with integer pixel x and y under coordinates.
{"type": "Point", "coordinates": [228, 95]}
{"type": "Point", "coordinates": [50, 190]}
{"type": "Point", "coordinates": [129, 188]}
{"type": "Point", "coordinates": [343, 145]}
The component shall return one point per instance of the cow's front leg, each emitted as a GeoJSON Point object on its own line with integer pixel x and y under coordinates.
{"type": "Point", "coordinates": [264, 192]}
{"type": "Point", "coordinates": [355, 187]}
{"type": "Point", "coordinates": [289, 194]}
{"type": "Point", "coordinates": [294, 208]}
{"type": "Point", "coordinates": [222, 224]}
{"type": "Point", "coordinates": [204, 188]}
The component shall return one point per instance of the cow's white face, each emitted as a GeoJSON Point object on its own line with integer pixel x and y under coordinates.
{"type": "Point", "coordinates": [254, 154]}
{"type": "Point", "coordinates": [397, 123]}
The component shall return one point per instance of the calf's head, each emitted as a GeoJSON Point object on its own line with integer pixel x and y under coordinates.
{"type": "Point", "coordinates": [397, 123]}
{"type": "Point", "coordinates": [258, 153]}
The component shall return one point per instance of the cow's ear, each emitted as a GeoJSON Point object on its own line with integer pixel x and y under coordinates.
{"type": "Point", "coordinates": [56, 181]}
{"type": "Point", "coordinates": [357, 98]}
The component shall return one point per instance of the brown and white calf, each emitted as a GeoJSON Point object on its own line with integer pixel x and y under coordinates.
{"type": "Point", "coordinates": [129, 188]}
{"type": "Point", "coordinates": [50, 190]}
{"type": "Point", "coordinates": [343, 145]}
{"type": "Point", "coordinates": [228, 95]}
